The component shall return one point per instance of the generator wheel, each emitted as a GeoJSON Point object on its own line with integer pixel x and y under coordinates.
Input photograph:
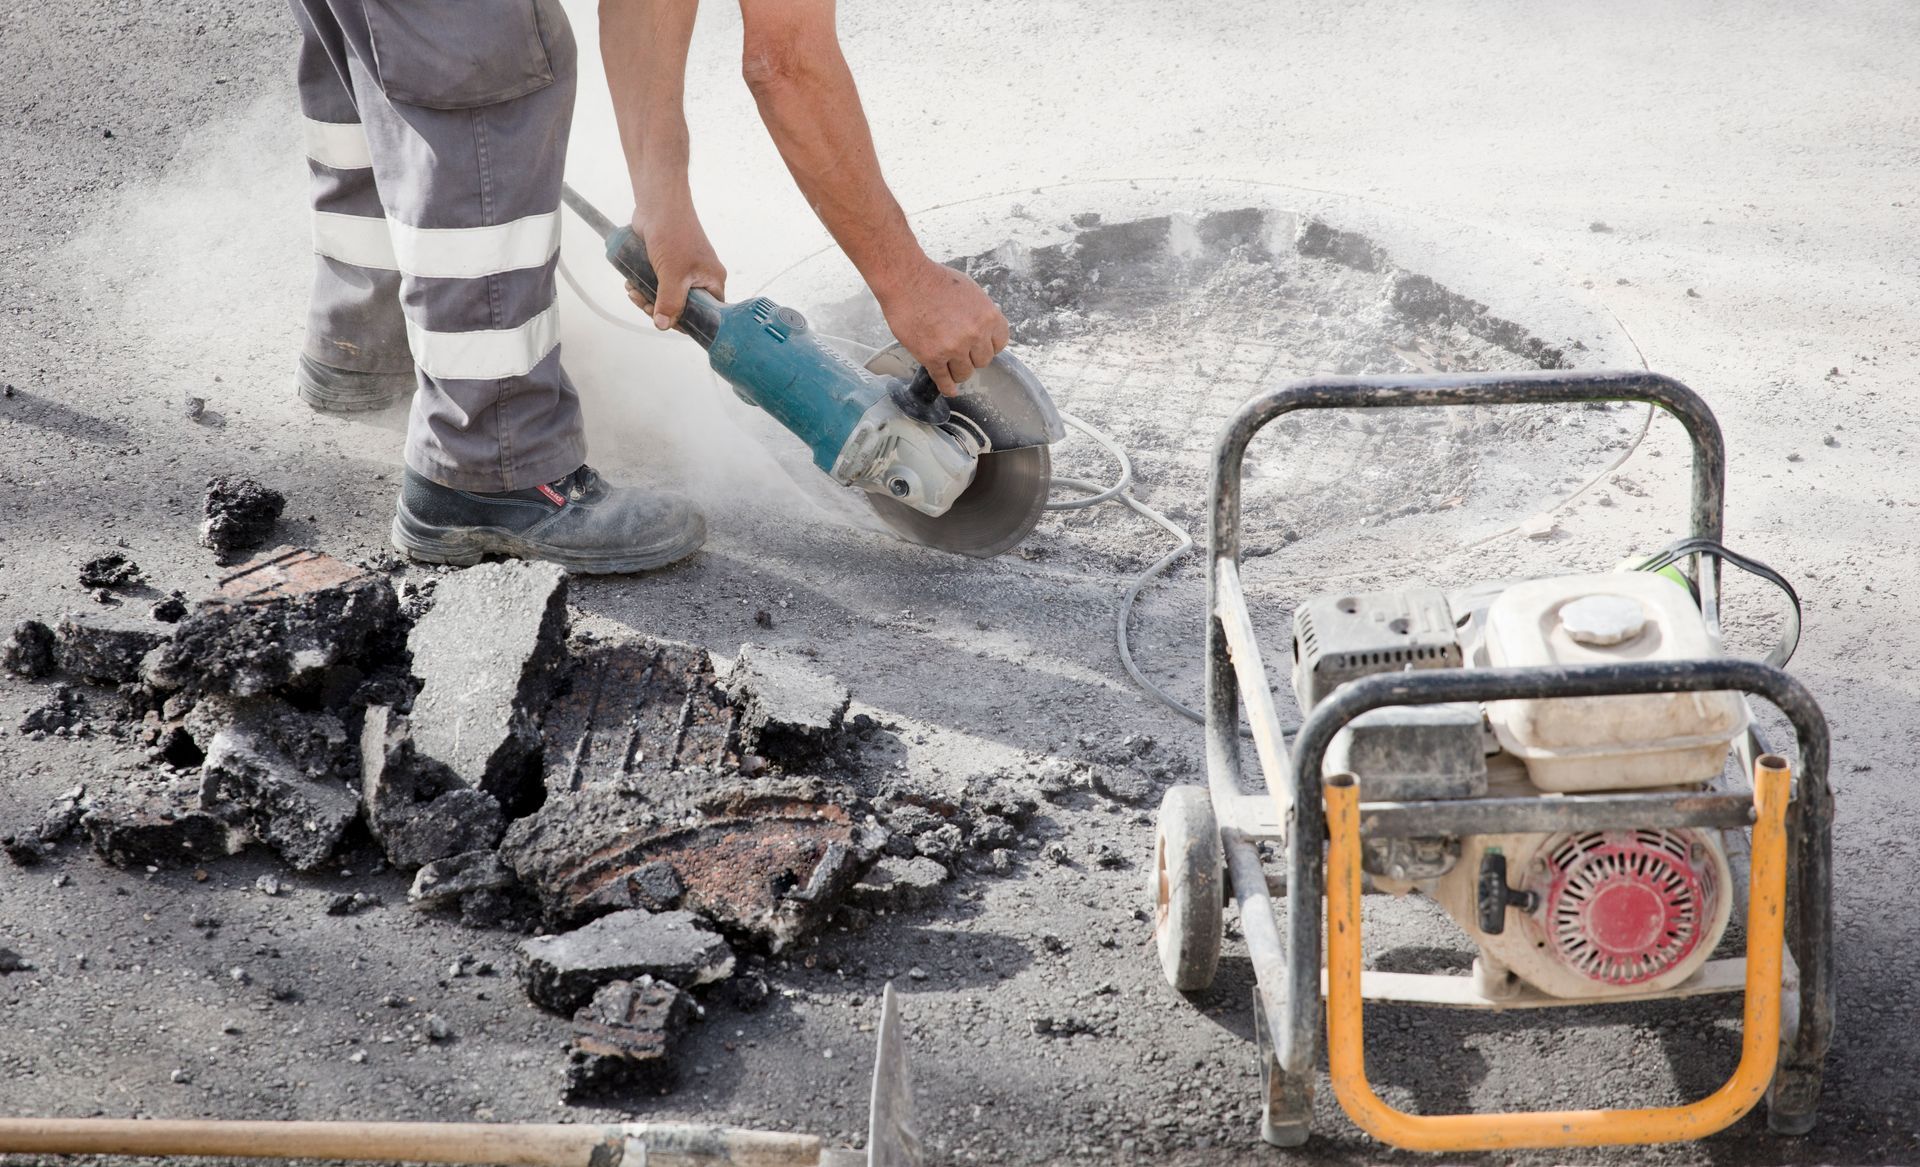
{"type": "Point", "coordinates": [1187, 879]}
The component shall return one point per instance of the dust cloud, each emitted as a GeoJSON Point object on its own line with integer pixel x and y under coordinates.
{"type": "Point", "coordinates": [207, 270]}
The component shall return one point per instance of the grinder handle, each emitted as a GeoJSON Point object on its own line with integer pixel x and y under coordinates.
{"type": "Point", "coordinates": [920, 399]}
{"type": "Point", "coordinates": [700, 319]}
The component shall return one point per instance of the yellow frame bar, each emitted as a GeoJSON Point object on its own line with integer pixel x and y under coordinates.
{"type": "Point", "coordinates": [1760, 1038]}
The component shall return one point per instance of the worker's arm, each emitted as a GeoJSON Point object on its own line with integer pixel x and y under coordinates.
{"type": "Point", "coordinates": [799, 78]}
{"type": "Point", "coordinates": [644, 46]}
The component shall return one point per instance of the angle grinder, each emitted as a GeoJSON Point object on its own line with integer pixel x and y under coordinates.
{"type": "Point", "coordinates": [967, 474]}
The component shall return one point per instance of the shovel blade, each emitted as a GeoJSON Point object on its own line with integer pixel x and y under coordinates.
{"type": "Point", "coordinates": [893, 1137]}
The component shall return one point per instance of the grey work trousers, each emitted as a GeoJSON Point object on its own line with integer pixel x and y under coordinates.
{"type": "Point", "coordinates": [436, 136]}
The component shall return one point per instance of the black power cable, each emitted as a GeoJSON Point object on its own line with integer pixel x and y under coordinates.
{"type": "Point", "coordinates": [1700, 545]}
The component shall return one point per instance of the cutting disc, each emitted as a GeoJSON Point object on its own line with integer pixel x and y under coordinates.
{"type": "Point", "coordinates": [1006, 499]}
{"type": "Point", "coordinates": [1010, 485]}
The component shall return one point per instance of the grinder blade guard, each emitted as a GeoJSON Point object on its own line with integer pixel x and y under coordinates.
{"type": "Point", "coordinates": [1016, 420]}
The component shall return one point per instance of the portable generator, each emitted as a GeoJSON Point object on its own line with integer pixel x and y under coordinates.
{"type": "Point", "coordinates": [1548, 761]}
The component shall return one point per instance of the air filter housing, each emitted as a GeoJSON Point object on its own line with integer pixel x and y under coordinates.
{"type": "Point", "coordinates": [1340, 637]}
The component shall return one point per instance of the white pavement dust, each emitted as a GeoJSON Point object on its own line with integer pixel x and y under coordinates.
{"type": "Point", "coordinates": [208, 267]}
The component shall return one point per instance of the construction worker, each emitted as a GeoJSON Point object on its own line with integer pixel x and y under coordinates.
{"type": "Point", "coordinates": [437, 136]}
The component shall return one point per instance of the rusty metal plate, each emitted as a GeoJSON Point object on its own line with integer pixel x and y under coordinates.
{"type": "Point", "coordinates": [285, 573]}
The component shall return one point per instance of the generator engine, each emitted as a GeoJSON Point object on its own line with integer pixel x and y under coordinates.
{"type": "Point", "coordinates": [1572, 914]}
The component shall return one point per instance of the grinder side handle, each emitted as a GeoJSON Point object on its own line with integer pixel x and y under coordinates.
{"type": "Point", "coordinates": [700, 319]}
{"type": "Point", "coordinates": [920, 399]}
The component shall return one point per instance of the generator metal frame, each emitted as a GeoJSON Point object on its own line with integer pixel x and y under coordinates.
{"type": "Point", "coordinates": [1289, 971]}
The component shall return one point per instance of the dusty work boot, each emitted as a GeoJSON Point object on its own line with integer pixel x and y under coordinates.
{"type": "Point", "coordinates": [578, 522]}
{"type": "Point", "coordinates": [332, 390]}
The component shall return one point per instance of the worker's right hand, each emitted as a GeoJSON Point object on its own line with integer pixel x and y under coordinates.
{"type": "Point", "coordinates": [946, 322]}
{"type": "Point", "coordinates": [682, 258]}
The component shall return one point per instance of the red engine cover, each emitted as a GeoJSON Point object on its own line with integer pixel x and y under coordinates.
{"type": "Point", "coordinates": [1622, 907]}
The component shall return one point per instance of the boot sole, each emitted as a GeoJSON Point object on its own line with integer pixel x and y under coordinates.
{"type": "Point", "coordinates": [466, 546]}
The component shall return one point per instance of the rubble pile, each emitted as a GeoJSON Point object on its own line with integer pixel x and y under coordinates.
{"type": "Point", "coordinates": [642, 815]}
{"type": "Point", "coordinates": [246, 710]}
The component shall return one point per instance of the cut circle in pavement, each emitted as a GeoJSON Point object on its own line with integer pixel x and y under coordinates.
{"type": "Point", "coordinates": [1154, 309]}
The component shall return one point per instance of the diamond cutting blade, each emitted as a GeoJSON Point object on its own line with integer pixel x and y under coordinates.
{"type": "Point", "coordinates": [1006, 499]}
{"type": "Point", "coordinates": [1010, 484]}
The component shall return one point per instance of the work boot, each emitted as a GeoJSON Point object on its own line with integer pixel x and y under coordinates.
{"type": "Point", "coordinates": [332, 390]}
{"type": "Point", "coordinates": [578, 522]}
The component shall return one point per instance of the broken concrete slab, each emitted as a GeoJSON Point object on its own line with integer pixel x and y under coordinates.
{"type": "Point", "coordinates": [280, 623]}
{"type": "Point", "coordinates": [63, 815]}
{"type": "Point", "coordinates": [105, 647]}
{"type": "Point", "coordinates": [491, 652]}
{"type": "Point", "coordinates": [24, 850]}
{"type": "Point", "coordinates": [28, 650]}
{"type": "Point", "coordinates": [444, 882]}
{"type": "Point", "coordinates": [899, 885]}
{"type": "Point", "coordinates": [636, 708]}
{"type": "Point", "coordinates": [158, 827]}
{"type": "Point", "coordinates": [764, 868]}
{"type": "Point", "coordinates": [454, 823]}
{"type": "Point", "coordinates": [623, 1039]}
{"type": "Point", "coordinates": [563, 972]}
{"type": "Point", "coordinates": [789, 711]}
{"type": "Point", "coordinates": [283, 774]}
{"type": "Point", "coordinates": [240, 514]}
{"type": "Point", "coordinates": [417, 807]}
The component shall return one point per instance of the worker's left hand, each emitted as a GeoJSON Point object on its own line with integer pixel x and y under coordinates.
{"type": "Point", "coordinates": [945, 320]}
{"type": "Point", "coordinates": [682, 258]}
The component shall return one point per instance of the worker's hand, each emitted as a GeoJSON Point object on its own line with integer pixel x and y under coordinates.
{"type": "Point", "coordinates": [945, 321]}
{"type": "Point", "coordinates": [682, 258]}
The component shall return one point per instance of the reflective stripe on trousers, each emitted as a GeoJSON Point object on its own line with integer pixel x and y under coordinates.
{"type": "Point", "coordinates": [436, 133]}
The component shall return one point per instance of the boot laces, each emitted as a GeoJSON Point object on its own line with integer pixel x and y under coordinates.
{"type": "Point", "coordinates": [577, 485]}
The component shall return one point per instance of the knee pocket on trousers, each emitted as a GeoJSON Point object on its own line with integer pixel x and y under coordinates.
{"type": "Point", "coordinates": [459, 54]}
